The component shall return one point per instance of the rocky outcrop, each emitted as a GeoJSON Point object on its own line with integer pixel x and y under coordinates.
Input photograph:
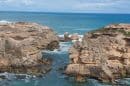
{"type": "Point", "coordinates": [70, 37]}
{"type": "Point", "coordinates": [103, 54]}
{"type": "Point", "coordinates": [21, 45]}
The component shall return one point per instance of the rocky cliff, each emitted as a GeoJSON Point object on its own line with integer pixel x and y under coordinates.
{"type": "Point", "coordinates": [103, 54]}
{"type": "Point", "coordinates": [21, 45]}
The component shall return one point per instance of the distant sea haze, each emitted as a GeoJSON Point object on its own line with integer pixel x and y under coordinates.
{"type": "Point", "coordinates": [67, 22]}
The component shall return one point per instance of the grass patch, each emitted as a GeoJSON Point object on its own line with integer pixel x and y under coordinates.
{"type": "Point", "coordinates": [124, 32]}
{"type": "Point", "coordinates": [99, 30]}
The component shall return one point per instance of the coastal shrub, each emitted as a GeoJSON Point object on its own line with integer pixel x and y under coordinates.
{"type": "Point", "coordinates": [124, 32]}
{"type": "Point", "coordinates": [102, 29]}
{"type": "Point", "coordinates": [127, 33]}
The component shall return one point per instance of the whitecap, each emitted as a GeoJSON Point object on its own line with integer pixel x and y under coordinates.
{"type": "Point", "coordinates": [11, 76]}
{"type": "Point", "coordinates": [61, 36]}
{"type": "Point", "coordinates": [81, 36]}
{"type": "Point", "coordinates": [2, 22]}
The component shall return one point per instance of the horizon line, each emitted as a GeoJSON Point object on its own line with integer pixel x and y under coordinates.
{"type": "Point", "coordinates": [63, 12]}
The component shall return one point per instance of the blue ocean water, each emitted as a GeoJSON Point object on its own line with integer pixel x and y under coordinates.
{"type": "Point", "coordinates": [67, 22]}
{"type": "Point", "coordinates": [62, 22]}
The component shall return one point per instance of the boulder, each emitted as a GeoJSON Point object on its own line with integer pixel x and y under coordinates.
{"type": "Point", "coordinates": [70, 37]}
{"type": "Point", "coordinates": [75, 36]}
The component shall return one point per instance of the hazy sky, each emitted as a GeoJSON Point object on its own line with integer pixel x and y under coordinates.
{"type": "Point", "coordinates": [96, 6]}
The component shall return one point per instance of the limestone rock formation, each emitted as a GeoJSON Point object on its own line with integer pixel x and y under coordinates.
{"type": "Point", "coordinates": [21, 45]}
{"type": "Point", "coordinates": [103, 54]}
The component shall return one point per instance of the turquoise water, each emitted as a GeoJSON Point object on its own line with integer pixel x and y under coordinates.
{"type": "Point", "coordinates": [60, 22]}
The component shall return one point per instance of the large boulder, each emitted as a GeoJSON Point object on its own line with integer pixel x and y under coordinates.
{"type": "Point", "coordinates": [21, 45]}
{"type": "Point", "coordinates": [103, 54]}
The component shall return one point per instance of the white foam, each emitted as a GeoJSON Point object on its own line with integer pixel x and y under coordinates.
{"type": "Point", "coordinates": [62, 36]}
{"type": "Point", "coordinates": [2, 22]}
{"type": "Point", "coordinates": [81, 36]}
{"type": "Point", "coordinates": [80, 39]}
{"type": "Point", "coordinates": [64, 47]}
{"type": "Point", "coordinates": [74, 41]}
{"type": "Point", "coordinates": [11, 76]}
{"type": "Point", "coordinates": [70, 36]}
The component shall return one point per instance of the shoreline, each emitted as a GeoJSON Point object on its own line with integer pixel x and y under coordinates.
{"type": "Point", "coordinates": [76, 40]}
{"type": "Point", "coordinates": [21, 44]}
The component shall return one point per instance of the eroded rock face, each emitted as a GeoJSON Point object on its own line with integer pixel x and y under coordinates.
{"type": "Point", "coordinates": [21, 45]}
{"type": "Point", "coordinates": [103, 54]}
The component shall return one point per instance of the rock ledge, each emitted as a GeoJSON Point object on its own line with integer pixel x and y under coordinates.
{"type": "Point", "coordinates": [21, 44]}
{"type": "Point", "coordinates": [103, 54]}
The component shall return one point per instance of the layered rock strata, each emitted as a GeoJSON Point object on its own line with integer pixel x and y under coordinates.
{"type": "Point", "coordinates": [21, 45]}
{"type": "Point", "coordinates": [103, 54]}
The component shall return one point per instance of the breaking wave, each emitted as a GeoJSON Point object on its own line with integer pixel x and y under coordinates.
{"type": "Point", "coordinates": [11, 76]}
{"type": "Point", "coordinates": [64, 47]}
{"type": "Point", "coordinates": [4, 22]}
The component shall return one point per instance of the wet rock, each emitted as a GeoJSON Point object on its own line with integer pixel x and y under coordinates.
{"type": "Point", "coordinates": [103, 54]}
{"type": "Point", "coordinates": [74, 36]}
{"type": "Point", "coordinates": [21, 45]}
{"type": "Point", "coordinates": [66, 36]}
{"type": "Point", "coordinates": [70, 37]}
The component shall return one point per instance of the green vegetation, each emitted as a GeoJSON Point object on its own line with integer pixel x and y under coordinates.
{"type": "Point", "coordinates": [99, 30]}
{"type": "Point", "coordinates": [127, 34]}
{"type": "Point", "coordinates": [124, 32]}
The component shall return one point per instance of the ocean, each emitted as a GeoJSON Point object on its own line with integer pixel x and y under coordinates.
{"type": "Point", "coordinates": [61, 22]}
{"type": "Point", "coordinates": [67, 22]}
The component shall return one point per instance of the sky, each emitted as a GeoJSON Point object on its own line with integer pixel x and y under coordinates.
{"type": "Point", "coordinates": [78, 6]}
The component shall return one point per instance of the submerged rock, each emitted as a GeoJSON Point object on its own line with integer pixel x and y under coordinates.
{"type": "Point", "coordinates": [21, 45]}
{"type": "Point", "coordinates": [103, 54]}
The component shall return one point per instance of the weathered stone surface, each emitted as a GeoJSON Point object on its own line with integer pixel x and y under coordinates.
{"type": "Point", "coordinates": [103, 54]}
{"type": "Point", "coordinates": [21, 45]}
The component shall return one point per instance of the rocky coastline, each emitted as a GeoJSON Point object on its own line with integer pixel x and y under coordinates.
{"type": "Point", "coordinates": [21, 46]}
{"type": "Point", "coordinates": [103, 54]}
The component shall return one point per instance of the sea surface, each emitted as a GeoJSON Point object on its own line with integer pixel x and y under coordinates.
{"type": "Point", "coordinates": [61, 23]}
